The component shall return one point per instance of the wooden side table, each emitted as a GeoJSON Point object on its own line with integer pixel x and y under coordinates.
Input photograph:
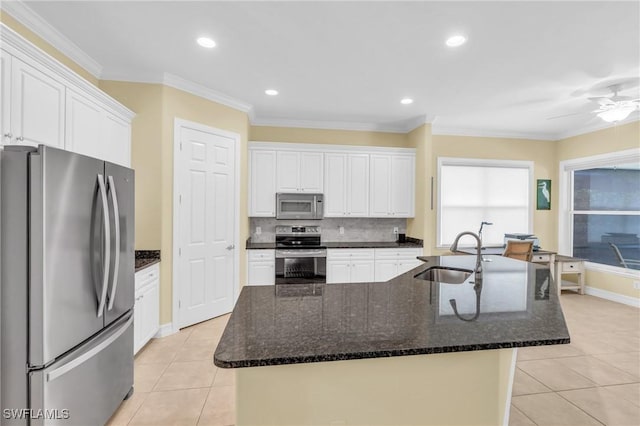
{"type": "Point", "coordinates": [569, 265]}
{"type": "Point", "coordinates": [548, 258]}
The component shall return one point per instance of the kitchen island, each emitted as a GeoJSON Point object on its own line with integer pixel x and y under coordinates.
{"type": "Point", "coordinates": [398, 352]}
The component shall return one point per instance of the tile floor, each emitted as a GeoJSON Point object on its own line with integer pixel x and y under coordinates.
{"type": "Point", "coordinates": [595, 380]}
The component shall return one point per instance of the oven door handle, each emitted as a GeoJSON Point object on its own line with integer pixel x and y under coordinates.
{"type": "Point", "coordinates": [300, 253]}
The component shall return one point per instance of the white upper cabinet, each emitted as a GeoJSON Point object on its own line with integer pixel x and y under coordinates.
{"type": "Point", "coordinates": [44, 102]}
{"type": "Point", "coordinates": [37, 107]}
{"type": "Point", "coordinates": [392, 185]}
{"type": "Point", "coordinates": [346, 185]}
{"type": "Point", "coordinates": [299, 171]}
{"type": "Point", "coordinates": [380, 204]}
{"type": "Point", "coordinates": [262, 194]}
{"type": "Point", "coordinates": [84, 125]}
{"type": "Point", "coordinates": [356, 181]}
{"type": "Point", "coordinates": [403, 185]}
{"type": "Point", "coordinates": [117, 145]}
{"type": "Point", "coordinates": [5, 96]}
{"type": "Point", "coordinates": [91, 130]}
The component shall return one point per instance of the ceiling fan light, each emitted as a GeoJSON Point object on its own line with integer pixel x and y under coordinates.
{"type": "Point", "coordinates": [616, 114]}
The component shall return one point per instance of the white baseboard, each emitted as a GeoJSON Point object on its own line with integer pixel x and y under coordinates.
{"type": "Point", "coordinates": [614, 297]}
{"type": "Point", "coordinates": [165, 330]}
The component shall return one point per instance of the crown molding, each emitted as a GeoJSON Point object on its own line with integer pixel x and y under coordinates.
{"type": "Point", "coordinates": [205, 92]}
{"type": "Point", "coordinates": [24, 50]}
{"type": "Point", "coordinates": [486, 133]}
{"type": "Point", "coordinates": [329, 125]}
{"type": "Point", "coordinates": [314, 147]}
{"type": "Point", "coordinates": [413, 123]}
{"type": "Point", "coordinates": [600, 125]}
{"type": "Point", "coordinates": [34, 22]}
{"type": "Point", "coordinates": [132, 77]}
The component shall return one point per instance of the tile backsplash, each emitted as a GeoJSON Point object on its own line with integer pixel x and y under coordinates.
{"type": "Point", "coordinates": [355, 229]}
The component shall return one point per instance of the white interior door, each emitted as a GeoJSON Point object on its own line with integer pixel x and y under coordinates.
{"type": "Point", "coordinates": [207, 223]}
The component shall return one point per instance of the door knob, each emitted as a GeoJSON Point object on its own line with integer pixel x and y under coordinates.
{"type": "Point", "coordinates": [231, 247]}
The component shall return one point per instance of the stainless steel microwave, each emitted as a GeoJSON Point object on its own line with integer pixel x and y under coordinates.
{"type": "Point", "coordinates": [299, 206]}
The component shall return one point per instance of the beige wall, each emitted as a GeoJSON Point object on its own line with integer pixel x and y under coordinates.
{"type": "Point", "coordinates": [429, 388]}
{"type": "Point", "coordinates": [146, 143]}
{"type": "Point", "coordinates": [542, 153]}
{"type": "Point", "coordinates": [419, 227]}
{"type": "Point", "coordinates": [618, 138]}
{"type": "Point", "coordinates": [613, 139]}
{"type": "Point", "coordinates": [340, 137]}
{"type": "Point", "coordinates": [45, 46]}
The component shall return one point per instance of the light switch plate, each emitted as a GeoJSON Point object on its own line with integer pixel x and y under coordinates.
{"type": "Point", "coordinates": [258, 230]}
{"type": "Point", "coordinates": [341, 230]}
{"type": "Point", "coordinates": [395, 229]}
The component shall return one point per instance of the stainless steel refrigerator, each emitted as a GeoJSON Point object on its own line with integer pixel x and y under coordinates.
{"type": "Point", "coordinates": [67, 271]}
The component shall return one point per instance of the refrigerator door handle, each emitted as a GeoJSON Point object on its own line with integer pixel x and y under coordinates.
{"type": "Point", "coordinates": [107, 245]}
{"type": "Point", "coordinates": [90, 353]}
{"type": "Point", "coordinates": [116, 221]}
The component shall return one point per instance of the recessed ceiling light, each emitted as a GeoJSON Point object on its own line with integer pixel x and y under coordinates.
{"type": "Point", "coordinates": [206, 42]}
{"type": "Point", "coordinates": [271, 92]}
{"type": "Point", "coordinates": [406, 101]}
{"type": "Point", "coordinates": [456, 40]}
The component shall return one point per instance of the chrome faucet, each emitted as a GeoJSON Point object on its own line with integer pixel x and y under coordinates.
{"type": "Point", "coordinates": [454, 249]}
{"type": "Point", "coordinates": [480, 231]}
{"type": "Point", "coordinates": [477, 284]}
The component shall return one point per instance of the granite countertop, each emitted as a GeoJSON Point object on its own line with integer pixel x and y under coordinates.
{"type": "Point", "coordinates": [498, 250]}
{"type": "Point", "coordinates": [410, 243]}
{"type": "Point", "coordinates": [289, 324]}
{"type": "Point", "coordinates": [146, 258]}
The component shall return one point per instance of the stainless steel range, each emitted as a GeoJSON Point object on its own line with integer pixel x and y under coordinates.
{"type": "Point", "coordinates": [300, 256]}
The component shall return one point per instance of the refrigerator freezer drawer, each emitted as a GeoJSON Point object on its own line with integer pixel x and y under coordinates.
{"type": "Point", "coordinates": [88, 385]}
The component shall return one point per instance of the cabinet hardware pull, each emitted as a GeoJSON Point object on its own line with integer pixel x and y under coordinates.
{"type": "Point", "coordinates": [20, 138]}
{"type": "Point", "coordinates": [8, 135]}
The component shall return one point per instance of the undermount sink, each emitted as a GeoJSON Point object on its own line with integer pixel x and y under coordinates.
{"type": "Point", "coordinates": [445, 275]}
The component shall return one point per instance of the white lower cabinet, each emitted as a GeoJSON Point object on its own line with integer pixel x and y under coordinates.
{"type": "Point", "coordinates": [350, 265]}
{"type": "Point", "coordinates": [395, 261]}
{"type": "Point", "coordinates": [262, 267]}
{"type": "Point", "coordinates": [146, 310]}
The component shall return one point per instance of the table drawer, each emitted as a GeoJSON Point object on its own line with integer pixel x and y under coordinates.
{"type": "Point", "coordinates": [571, 266]}
{"type": "Point", "coordinates": [541, 258]}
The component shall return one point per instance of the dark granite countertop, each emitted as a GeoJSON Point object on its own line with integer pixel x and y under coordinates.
{"type": "Point", "coordinates": [410, 243]}
{"type": "Point", "coordinates": [289, 324]}
{"type": "Point", "coordinates": [499, 250]}
{"type": "Point", "coordinates": [146, 258]}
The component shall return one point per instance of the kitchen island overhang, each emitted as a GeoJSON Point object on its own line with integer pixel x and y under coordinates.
{"type": "Point", "coordinates": [404, 332]}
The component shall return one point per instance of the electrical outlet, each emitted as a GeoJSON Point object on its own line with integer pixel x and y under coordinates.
{"type": "Point", "coordinates": [341, 230]}
{"type": "Point", "coordinates": [636, 285]}
{"type": "Point", "coordinates": [395, 230]}
{"type": "Point", "coordinates": [258, 230]}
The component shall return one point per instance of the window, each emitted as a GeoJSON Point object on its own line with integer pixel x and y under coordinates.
{"type": "Point", "coordinates": [600, 219]}
{"type": "Point", "coordinates": [606, 214]}
{"type": "Point", "coordinates": [473, 191]}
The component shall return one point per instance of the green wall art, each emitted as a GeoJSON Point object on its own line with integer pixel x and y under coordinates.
{"type": "Point", "coordinates": [543, 198]}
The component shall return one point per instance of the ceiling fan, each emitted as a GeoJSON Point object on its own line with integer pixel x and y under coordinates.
{"type": "Point", "coordinates": [615, 108]}
{"type": "Point", "coordinates": [612, 108]}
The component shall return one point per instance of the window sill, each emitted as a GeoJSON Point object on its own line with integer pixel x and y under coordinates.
{"type": "Point", "coordinates": [616, 270]}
